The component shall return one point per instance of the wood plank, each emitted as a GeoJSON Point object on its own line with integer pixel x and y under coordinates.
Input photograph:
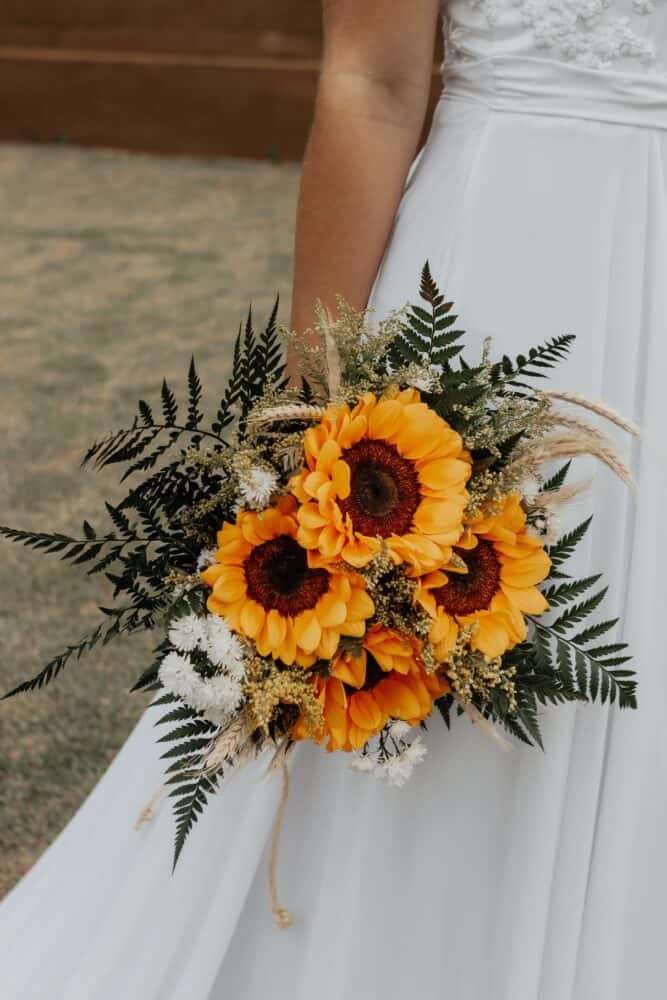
{"type": "Point", "coordinates": [197, 40]}
{"type": "Point", "coordinates": [205, 106]}
{"type": "Point", "coordinates": [154, 24]}
{"type": "Point", "coordinates": [202, 104]}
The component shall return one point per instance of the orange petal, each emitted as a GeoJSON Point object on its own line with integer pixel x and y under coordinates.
{"type": "Point", "coordinates": [360, 605]}
{"type": "Point", "coordinates": [357, 736]}
{"type": "Point", "coordinates": [331, 542]}
{"type": "Point", "coordinates": [396, 699]}
{"type": "Point", "coordinates": [287, 651]}
{"type": "Point", "coordinates": [252, 618]}
{"type": "Point", "coordinates": [360, 552]}
{"type": "Point", "coordinates": [341, 476]}
{"type": "Point", "coordinates": [443, 473]}
{"type": "Point", "coordinates": [328, 643]}
{"type": "Point", "coordinates": [527, 599]}
{"type": "Point", "coordinates": [275, 629]}
{"type": "Point", "coordinates": [329, 453]}
{"type": "Point", "coordinates": [385, 419]}
{"type": "Point", "coordinates": [335, 708]}
{"type": "Point", "coordinates": [310, 518]}
{"type": "Point", "coordinates": [339, 584]}
{"type": "Point", "coordinates": [492, 636]}
{"type": "Point", "coordinates": [354, 431]}
{"type": "Point", "coordinates": [312, 482]}
{"type": "Point", "coordinates": [211, 574]}
{"type": "Point", "coordinates": [307, 631]}
{"type": "Point", "coordinates": [441, 517]}
{"type": "Point", "coordinates": [527, 571]}
{"type": "Point", "coordinates": [351, 670]}
{"type": "Point", "coordinates": [230, 587]}
{"type": "Point", "coordinates": [331, 611]}
{"type": "Point", "coordinates": [365, 712]}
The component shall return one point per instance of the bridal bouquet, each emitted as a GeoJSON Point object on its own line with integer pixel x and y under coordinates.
{"type": "Point", "coordinates": [343, 561]}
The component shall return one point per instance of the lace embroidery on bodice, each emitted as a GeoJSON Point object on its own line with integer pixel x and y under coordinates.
{"type": "Point", "coordinates": [581, 30]}
{"type": "Point", "coordinates": [592, 33]}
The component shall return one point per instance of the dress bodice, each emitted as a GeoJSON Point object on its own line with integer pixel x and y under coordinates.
{"type": "Point", "coordinates": [604, 60]}
{"type": "Point", "coordinates": [615, 35]}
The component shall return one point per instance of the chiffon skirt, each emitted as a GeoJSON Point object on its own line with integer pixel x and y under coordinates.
{"type": "Point", "coordinates": [513, 876]}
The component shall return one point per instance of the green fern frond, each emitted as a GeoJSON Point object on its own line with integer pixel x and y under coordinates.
{"type": "Point", "coordinates": [536, 364]}
{"type": "Point", "coordinates": [100, 636]}
{"type": "Point", "coordinates": [565, 546]}
{"type": "Point", "coordinates": [576, 613]}
{"type": "Point", "coordinates": [559, 594]}
{"type": "Point", "coordinates": [557, 480]}
{"type": "Point", "coordinates": [195, 416]}
{"type": "Point", "coordinates": [426, 337]}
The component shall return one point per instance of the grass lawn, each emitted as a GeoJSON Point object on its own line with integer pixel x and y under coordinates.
{"type": "Point", "coordinates": [114, 269]}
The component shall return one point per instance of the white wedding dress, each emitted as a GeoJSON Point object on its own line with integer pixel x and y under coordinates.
{"type": "Point", "coordinates": [540, 201]}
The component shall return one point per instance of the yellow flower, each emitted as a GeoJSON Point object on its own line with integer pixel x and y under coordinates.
{"type": "Point", "coordinates": [387, 681]}
{"type": "Point", "coordinates": [388, 471]}
{"type": "Point", "coordinates": [504, 564]}
{"type": "Point", "coordinates": [263, 587]}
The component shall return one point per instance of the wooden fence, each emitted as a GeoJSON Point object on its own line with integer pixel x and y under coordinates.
{"type": "Point", "coordinates": [169, 76]}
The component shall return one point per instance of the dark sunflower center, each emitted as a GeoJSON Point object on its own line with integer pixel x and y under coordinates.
{"type": "Point", "coordinates": [466, 593]}
{"type": "Point", "coordinates": [384, 489]}
{"type": "Point", "coordinates": [279, 578]}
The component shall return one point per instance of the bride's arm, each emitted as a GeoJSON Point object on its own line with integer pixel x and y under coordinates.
{"type": "Point", "coordinates": [370, 108]}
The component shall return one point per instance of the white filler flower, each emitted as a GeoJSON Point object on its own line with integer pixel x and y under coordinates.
{"type": "Point", "coordinates": [363, 762]}
{"type": "Point", "coordinates": [217, 697]}
{"type": "Point", "coordinates": [223, 648]}
{"type": "Point", "coordinates": [397, 769]}
{"type": "Point", "coordinates": [256, 486]}
{"type": "Point", "coordinates": [399, 730]}
{"type": "Point", "coordinates": [187, 634]}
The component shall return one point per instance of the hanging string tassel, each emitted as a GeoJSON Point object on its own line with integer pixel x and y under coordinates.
{"type": "Point", "coordinates": [487, 727]}
{"type": "Point", "coordinates": [148, 812]}
{"type": "Point", "coordinates": [281, 916]}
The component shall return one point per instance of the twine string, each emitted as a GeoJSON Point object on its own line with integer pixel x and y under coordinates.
{"type": "Point", "coordinates": [281, 916]}
{"type": "Point", "coordinates": [148, 812]}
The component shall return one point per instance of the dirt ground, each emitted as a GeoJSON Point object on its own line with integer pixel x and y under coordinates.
{"type": "Point", "coordinates": [114, 269]}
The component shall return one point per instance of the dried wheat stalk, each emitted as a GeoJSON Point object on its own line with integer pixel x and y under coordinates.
{"type": "Point", "coordinates": [579, 442]}
{"type": "Point", "coordinates": [227, 744]}
{"type": "Point", "coordinates": [288, 411]}
{"type": "Point", "coordinates": [596, 407]}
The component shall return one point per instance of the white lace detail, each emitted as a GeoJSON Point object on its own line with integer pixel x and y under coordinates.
{"type": "Point", "coordinates": [488, 7]}
{"type": "Point", "coordinates": [455, 36]}
{"type": "Point", "coordinates": [591, 33]}
{"type": "Point", "coordinates": [582, 33]}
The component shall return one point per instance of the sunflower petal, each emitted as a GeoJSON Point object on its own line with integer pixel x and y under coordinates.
{"type": "Point", "coordinates": [385, 419]}
{"type": "Point", "coordinates": [351, 670]}
{"type": "Point", "coordinates": [251, 618]}
{"type": "Point", "coordinates": [307, 631]}
{"type": "Point", "coordinates": [329, 453]}
{"type": "Point", "coordinates": [365, 712]}
{"type": "Point", "coordinates": [330, 611]}
{"type": "Point", "coordinates": [396, 699]}
{"type": "Point", "coordinates": [342, 477]}
{"type": "Point", "coordinates": [529, 600]}
{"type": "Point", "coordinates": [492, 636]}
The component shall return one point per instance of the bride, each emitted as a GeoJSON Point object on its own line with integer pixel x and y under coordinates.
{"type": "Point", "coordinates": [540, 201]}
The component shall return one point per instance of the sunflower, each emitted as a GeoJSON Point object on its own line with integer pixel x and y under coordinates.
{"type": "Point", "coordinates": [386, 681]}
{"type": "Point", "coordinates": [264, 588]}
{"type": "Point", "coordinates": [390, 471]}
{"type": "Point", "coordinates": [503, 563]}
